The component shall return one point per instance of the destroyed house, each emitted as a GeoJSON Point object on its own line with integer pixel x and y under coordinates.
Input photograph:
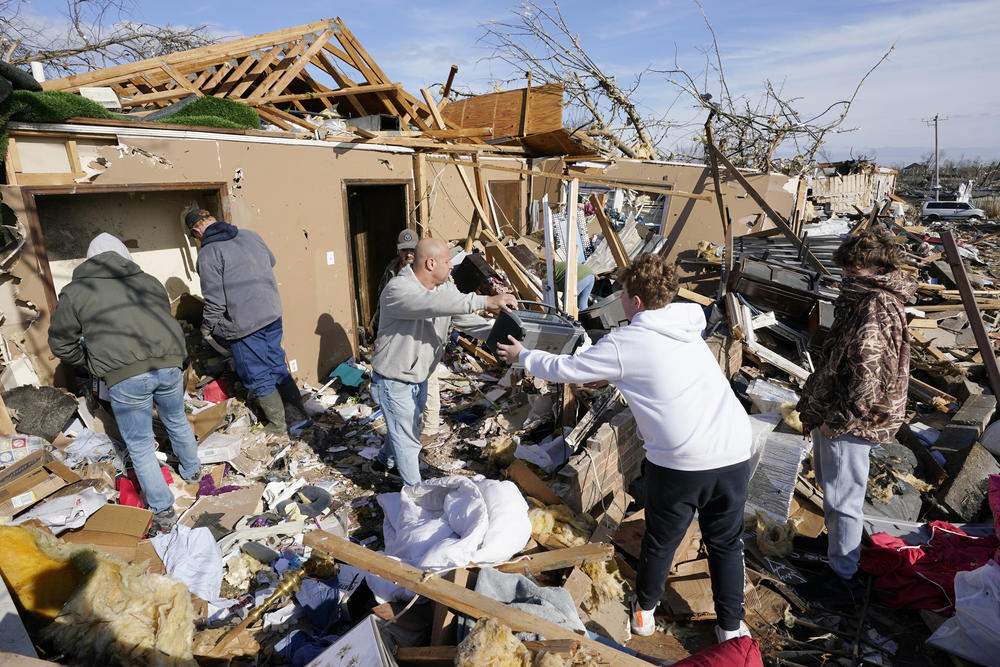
{"type": "Point", "coordinates": [328, 200]}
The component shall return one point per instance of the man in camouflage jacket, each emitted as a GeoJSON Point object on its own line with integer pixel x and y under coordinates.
{"type": "Point", "coordinates": [857, 398]}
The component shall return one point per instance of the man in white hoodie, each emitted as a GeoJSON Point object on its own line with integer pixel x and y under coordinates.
{"type": "Point", "coordinates": [695, 433]}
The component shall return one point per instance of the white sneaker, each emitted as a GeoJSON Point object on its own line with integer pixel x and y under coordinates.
{"type": "Point", "coordinates": [642, 622]}
{"type": "Point", "coordinates": [726, 635]}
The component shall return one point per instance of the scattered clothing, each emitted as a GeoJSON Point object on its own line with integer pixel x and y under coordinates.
{"type": "Point", "coordinates": [922, 576]}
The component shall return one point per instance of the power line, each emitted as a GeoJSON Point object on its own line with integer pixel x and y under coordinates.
{"type": "Point", "coordinates": [937, 173]}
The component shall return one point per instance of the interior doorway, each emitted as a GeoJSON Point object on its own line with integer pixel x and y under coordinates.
{"type": "Point", "coordinates": [376, 213]}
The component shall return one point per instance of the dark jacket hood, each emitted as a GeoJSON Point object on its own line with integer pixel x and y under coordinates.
{"type": "Point", "coordinates": [218, 231]}
{"type": "Point", "coordinates": [106, 265]}
{"type": "Point", "coordinates": [897, 283]}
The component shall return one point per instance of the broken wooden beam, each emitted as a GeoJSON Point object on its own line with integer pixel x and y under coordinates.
{"type": "Point", "coordinates": [560, 559]}
{"type": "Point", "coordinates": [531, 484]}
{"type": "Point", "coordinates": [611, 237]}
{"type": "Point", "coordinates": [456, 597]}
{"type": "Point", "coordinates": [971, 309]}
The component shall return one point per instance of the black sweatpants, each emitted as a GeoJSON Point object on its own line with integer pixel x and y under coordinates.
{"type": "Point", "coordinates": [672, 497]}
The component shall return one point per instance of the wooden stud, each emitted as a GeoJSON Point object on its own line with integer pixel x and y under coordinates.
{"type": "Point", "coordinates": [572, 238]}
{"type": "Point", "coordinates": [560, 559]}
{"type": "Point", "coordinates": [420, 194]}
{"type": "Point", "coordinates": [456, 597]}
{"type": "Point", "coordinates": [610, 235]}
{"type": "Point", "coordinates": [447, 86]}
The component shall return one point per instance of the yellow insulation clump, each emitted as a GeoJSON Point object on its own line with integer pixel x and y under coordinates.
{"type": "Point", "coordinates": [41, 584]}
{"type": "Point", "coordinates": [791, 417]}
{"type": "Point", "coordinates": [492, 644]}
{"type": "Point", "coordinates": [606, 584]}
{"type": "Point", "coordinates": [559, 523]}
{"type": "Point", "coordinates": [774, 539]}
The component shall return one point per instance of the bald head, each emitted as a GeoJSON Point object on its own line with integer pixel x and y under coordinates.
{"type": "Point", "coordinates": [432, 263]}
{"type": "Point", "coordinates": [430, 249]}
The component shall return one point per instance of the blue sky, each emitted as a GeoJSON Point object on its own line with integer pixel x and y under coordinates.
{"type": "Point", "coordinates": [947, 56]}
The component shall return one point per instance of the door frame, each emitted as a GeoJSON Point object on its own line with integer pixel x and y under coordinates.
{"type": "Point", "coordinates": [345, 185]}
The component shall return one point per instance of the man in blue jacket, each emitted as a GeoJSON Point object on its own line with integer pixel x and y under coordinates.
{"type": "Point", "coordinates": [242, 307]}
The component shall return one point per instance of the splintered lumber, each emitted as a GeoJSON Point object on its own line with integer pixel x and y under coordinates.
{"type": "Point", "coordinates": [559, 559]}
{"type": "Point", "coordinates": [700, 299]}
{"type": "Point", "coordinates": [775, 217]}
{"type": "Point", "coordinates": [972, 310]}
{"type": "Point", "coordinates": [519, 473]}
{"type": "Point", "coordinates": [456, 597]}
{"type": "Point", "coordinates": [927, 393]}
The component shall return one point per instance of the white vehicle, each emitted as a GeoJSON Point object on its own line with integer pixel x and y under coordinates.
{"type": "Point", "coordinates": [951, 210]}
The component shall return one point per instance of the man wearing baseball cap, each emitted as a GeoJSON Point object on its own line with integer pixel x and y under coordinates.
{"type": "Point", "coordinates": [242, 307]}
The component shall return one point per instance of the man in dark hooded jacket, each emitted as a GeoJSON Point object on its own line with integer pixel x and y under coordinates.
{"type": "Point", "coordinates": [856, 399]}
{"type": "Point", "coordinates": [242, 307]}
{"type": "Point", "coordinates": [115, 320]}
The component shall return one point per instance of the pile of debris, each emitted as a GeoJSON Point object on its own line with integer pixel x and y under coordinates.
{"type": "Point", "coordinates": [292, 549]}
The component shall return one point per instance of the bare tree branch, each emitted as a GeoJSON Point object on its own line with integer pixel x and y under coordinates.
{"type": "Point", "coordinates": [89, 34]}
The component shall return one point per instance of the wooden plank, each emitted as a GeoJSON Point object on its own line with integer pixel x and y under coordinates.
{"type": "Point", "coordinates": [73, 153]}
{"type": "Point", "coordinates": [259, 68]}
{"type": "Point", "coordinates": [971, 309]}
{"type": "Point", "coordinates": [435, 112]}
{"type": "Point", "coordinates": [645, 186]}
{"type": "Point", "coordinates": [499, 255]}
{"type": "Point", "coordinates": [560, 559]}
{"type": "Point", "coordinates": [700, 299]}
{"type": "Point", "coordinates": [290, 118]}
{"type": "Point", "coordinates": [531, 484]}
{"type": "Point", "coordinates": [572, 240]}
{"type": "Point", "coordinates": [420, 195]}
{"type": "Point", "coordinates": [523, 129]}
{"type": "Point", "coordinates": [302, 60]}
{"type": "Point", "coordinates": [181, 80]}
{"type": "Point", "coordinates": [459, 134]}
{"type": "Point", "coordinates": [477, 174]}
{"type": "Point", "coordinates": [456, 597]}
{"type": "Point", "coordinates": [444, 623]}
{"type": "Point", "coordinates": [610, 235]}
{"type": "Point", "coordinates": [342, 92]}
{"type": "Point", "coordinates": [288, 60]}
{"type": "Point", "coordinates": [775, 217]}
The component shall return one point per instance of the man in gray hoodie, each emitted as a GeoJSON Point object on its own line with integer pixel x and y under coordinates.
{"type": "Point", "coordinates": [243, 309]}
{"type": "Point", "coordinates": [417, 308]}
{"type": "Point", "coordinates": [115, 320]}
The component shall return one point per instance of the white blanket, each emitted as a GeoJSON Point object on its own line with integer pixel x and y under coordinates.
{"type": "Point", "coordinates": [451, 522]}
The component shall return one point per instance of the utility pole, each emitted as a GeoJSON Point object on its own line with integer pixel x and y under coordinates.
{"type": "Point", "coordinates": [937, 172]}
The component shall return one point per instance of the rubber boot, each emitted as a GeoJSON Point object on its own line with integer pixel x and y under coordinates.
{"type": "Point", "coordinates": [295, 412]}
{"type": "Point", "coordinates": [274, 413]}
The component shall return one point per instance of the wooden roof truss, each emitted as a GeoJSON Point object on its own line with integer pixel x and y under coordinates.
{"type": "Point", "coordinates": [275, 73]}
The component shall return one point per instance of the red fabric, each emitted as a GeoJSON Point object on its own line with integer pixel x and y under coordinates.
{"type": "Point", "coordinates": [922, 576]}
{"type": "Point", "coordinates": [217, 391]}
{"type": "Point", "coordinates": [739, 652]}
{"type": "Point", "coordinates": [128, 493]}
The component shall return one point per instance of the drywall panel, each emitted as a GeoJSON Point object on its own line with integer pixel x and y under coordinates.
{"type": "Point", "coordinates": [149, 223]}
{"type": "Point", "coordinates": [43, 155]}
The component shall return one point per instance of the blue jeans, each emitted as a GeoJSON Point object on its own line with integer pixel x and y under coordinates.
{"type": "Point", "coordinates": [402, 406]}
{"type": "Point", "coordinates": [841, 467]}
{"type": "Point", "coordinates": [583, 290]}
{"type": "Point", "coordinates": [132, 403]}
{"type": "Point", "coordinates": [259, 360]}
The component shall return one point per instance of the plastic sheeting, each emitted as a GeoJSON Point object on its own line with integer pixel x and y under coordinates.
{"type": "Point", "coordinates": [191, 556]}
{"type": "Point", "coordinates": [973, 632]}
{"type": "Point", "coordinates": [451, 522]}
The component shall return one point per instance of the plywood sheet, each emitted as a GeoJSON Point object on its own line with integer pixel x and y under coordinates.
{"type": "Point", "coordinates": [503, 111]}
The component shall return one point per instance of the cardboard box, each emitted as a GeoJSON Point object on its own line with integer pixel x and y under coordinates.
{"type": "Point", "coordinates": [31, 479]}
{"type": "Point", "coordinates": [118, 530]}
{"type": "Point", "coordinates": [208, 419]}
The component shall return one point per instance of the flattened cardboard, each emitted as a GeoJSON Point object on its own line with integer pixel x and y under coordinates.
{"type": "Point", "coordinates": [220, 513]}
{"type": "Point", "coordinates": [688, 594]}
{"type": "Point", "coordinates": [31, 479]}
{"type": "Point", "coordinates": [118, 530]}
{"type": "Point", "coordinates": [208, 420]}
